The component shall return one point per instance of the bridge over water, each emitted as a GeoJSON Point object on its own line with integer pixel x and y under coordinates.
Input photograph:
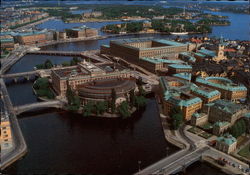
{"type": "Point", "coordinates": [48, 104]}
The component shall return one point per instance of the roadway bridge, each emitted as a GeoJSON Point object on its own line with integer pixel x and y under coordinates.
{"type": "Point", "coordinates": [38, 105]}
{"type": "Point", "coordinates": [26, 75]}
{"type": "Point", "coordinates": [92, 54]}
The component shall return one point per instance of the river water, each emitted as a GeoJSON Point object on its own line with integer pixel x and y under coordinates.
{"type": "Point", "coordinates": [62, 142]}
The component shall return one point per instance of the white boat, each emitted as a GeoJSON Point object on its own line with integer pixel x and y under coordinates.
{"type": "Point", "coordinates": [178, 33]}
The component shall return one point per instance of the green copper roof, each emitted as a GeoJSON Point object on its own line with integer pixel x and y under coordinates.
{"type": "Point", "coordinates": [183, 75]}
{"type": "Point", "coordinates": [6, 40]}
{"type": "Point", "coordinates": [206, 93]}
{"type": "Point", "coordinates": [207, 52]}
{"type": "Point", "coordinates": [221, 124]}
{"type": "Point", "coordinates": [226, 106]}
{"type": "Point", "coordinates": [188, 56]}
{"type": "Point", "coordinates": [226, 84]}
{"type": "Point", "coordinates": [180, 66]}
{"type": "Point", "coordinates": [200, 55]}
{"type": "Point", "coordinates": [247, 115]}
{"type": "Point", "coordinates": [158, 60]}
{"type": "Point", "coordinates": [173, 94]}
{"type": "Point", "coordinates": [227, 139]}
{"type": "Point", "coordinates": [168, 42]}
{"type": "Point", "coordinates": [154, 61]}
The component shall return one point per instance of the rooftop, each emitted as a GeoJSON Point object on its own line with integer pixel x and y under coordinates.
{"type": "Point", "coordinates": [207, 52]}
{"type": "Point", "coordinates": [221, 124]}
{"type": "Point", "coordinates": [205, 91]}
{"type": "Point", "coordinates": [183, 75]}
{"type": "Point", "coordinates": [169, 43]}
{"type": "Point", "coordinates": [227, 139]}
{"type": "Point", "coordinates": [222, 83]}
{"type": "Point", "coordinates": [226, 106]}
{"type": "Point", "coordinates": [180, 66]}
{"type": "Point", "coordinates": [179, 96]}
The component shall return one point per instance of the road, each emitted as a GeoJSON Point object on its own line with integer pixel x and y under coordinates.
{"type": "Point", "coordinates": [19, 144]}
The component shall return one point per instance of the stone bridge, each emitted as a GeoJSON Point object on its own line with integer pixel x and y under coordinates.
{"type": "Point", "coordinates": [25, 75]}
{"type": "Point", "coordinates": [38, 105]}
{"type": "Point", "coordinates": [174, 163]}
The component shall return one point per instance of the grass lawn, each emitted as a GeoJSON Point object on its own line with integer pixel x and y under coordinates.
{"type": "Point", "coordinates": [195, 130]}
{"type": "Point", "coordinates": [245, 152]}
{"type": "Point", "coordinates": [207, 126]}
{"type": "Point", "coordinates": [205, 135]}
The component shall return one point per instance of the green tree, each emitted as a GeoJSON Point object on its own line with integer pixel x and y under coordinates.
{"type": "Point", "coordinates": [176, 117]}
{"type": "Point", "coordinates": [66, 64]}
{"type": "Point", "coordinates": [70, 95]}
{"type": "Point", "coordinates": [123, 109]}
{"type": "Point", "coordinates": [74, 61]}
{"type": "Point", "coordinates": [100, 107]}
{"type": "Point", "coordinates": [177, 120]}
{"type": "Point", "coordinates": [140, 101]}
{"type": "Point", "coordinates": [88, 109]}
{"type": "Point", "coordinates": [48, 64]}
{"type": "Point", "coordinates": [238, 128]}
{"type": "Point", "coordinates": [132, 97]}
{"type": "Point", "coordinates": [113, 99]}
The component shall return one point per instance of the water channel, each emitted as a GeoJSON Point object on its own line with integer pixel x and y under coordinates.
{"type": "Point", "coordinates": [61, 142]}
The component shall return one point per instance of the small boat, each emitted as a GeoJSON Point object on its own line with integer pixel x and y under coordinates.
{"type": "Point", "coordinates": [178, 33]}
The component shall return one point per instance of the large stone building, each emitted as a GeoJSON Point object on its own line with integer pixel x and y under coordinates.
{"type": "Point", "coordinates": [226, 143]}
{"type": "Point", "coordinates": [134, 49]}
{"type": "Point", "coordinates": [34, 37]}
{"type": "Point", "coordinates": [6, 134]}
{"type": "Point", "coordinates": [227, 88]}
{"type": "Point", "coordinates": [224, 110]}
{"type": "Point", "coordinates": [176, 92]}
{"type": "Point", "coordinates": [80, 77]}
{"type": "Point", "coordinates": [80, 32]}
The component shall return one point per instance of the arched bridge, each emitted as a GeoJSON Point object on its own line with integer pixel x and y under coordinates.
{"type": "Point", "coordinates": [38, 105]}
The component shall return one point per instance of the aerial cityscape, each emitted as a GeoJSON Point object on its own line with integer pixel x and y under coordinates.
{"type": "Point", "coordinates": [122, 87]}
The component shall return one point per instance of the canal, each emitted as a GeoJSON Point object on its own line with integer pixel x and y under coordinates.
{"type": "Point", "coordinates": [62, 142]}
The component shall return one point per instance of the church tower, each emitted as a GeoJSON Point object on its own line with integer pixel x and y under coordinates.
{"type": "Point", "coordinates": [220, 51]}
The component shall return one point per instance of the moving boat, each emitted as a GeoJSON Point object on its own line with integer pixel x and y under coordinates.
{"type": "Point", "coordinates": [178, 33]}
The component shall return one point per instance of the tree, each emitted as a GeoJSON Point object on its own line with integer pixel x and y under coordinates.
{"type": "Point", "coordinates": [113, 99]}
{"type": "Point", "coordinates": [48, 64]}
{"type": "Point", "coordinates": [100, 107]}
{"type": "Point", "coordinates": [69, 94]}
{"type": "Point", "coordinates": [88, 109]}
{"type": "Point", "coordinates": [74, 61]}
{"type": "Point", "coordinates": [123, 109]}
{"type": "Point", "coordinates": [176, 117]}
{"type": "Point", "coordinates": [65, 64]}
{"type": "Point", "coordinates": [238, 128]}
{"type": "Point", "coordinates": [132, 97]}
{"type": "Point", "coordinates": [140, 101]}
{"type": "Point", "coordinates": [177, 120]}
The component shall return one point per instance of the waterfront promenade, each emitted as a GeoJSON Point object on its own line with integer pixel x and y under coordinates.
{"type": "Point", "coordinates": [19, 144]}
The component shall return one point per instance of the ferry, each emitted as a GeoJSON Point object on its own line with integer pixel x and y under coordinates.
{"type": "Point", "coordinates": [178, 33]}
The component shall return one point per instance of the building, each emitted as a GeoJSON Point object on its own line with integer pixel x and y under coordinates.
{"type": "Point", "coordinates": [176, 92]}
{"type": "Point", "coordinates": [7, 43]}
{"type": "Point", "coordinates": [34, 37]}
{"type": "Point", "coordinates": [92, 14]}
{"type": "Point", "coordinates": [84, 72]}
{"type": "Point", "coordinates": [101, 90]}
{"type": "Point", "coordinates": [224, 110]}
{"type": "Point", "coordinates": [134, 49]}
{"type": "Point", "coordinates": [179, 68]}
{"type": "Point", "coordinates": [227, 88]}
{"type": "Point", "coordinates": [79, 32]}
{"type": "Point", "coordinates": [6, 134]}
{"type": "Point", "coordinates": [207, 95]}
{"type": "Point", "coordinates": [226, 143]}
{"type": "Point", "coordinates": [152, 65]}
{"type": "Point", "coordinates": [216, 56]}
{"type": "Point", "coordinates": [220, 127]}
{"type": "Point", "coordinates": [199, 119]}
{"type": "Point", "coordinates": [187, 57]}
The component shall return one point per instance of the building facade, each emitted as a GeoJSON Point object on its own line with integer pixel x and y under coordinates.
{"type": "Point", "coordinates": [226, 143]}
